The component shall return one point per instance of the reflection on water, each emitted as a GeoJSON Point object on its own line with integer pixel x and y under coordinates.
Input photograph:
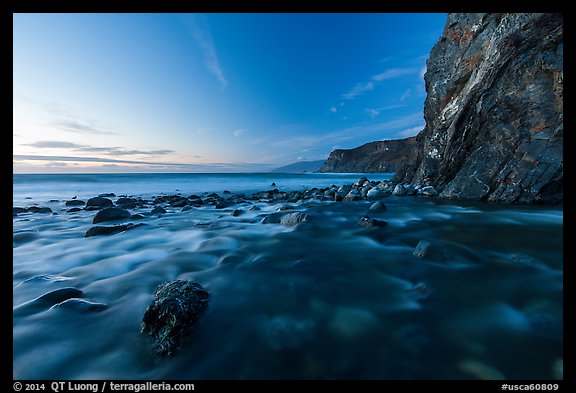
{"type": "Point", "coordinates": [324, 300]}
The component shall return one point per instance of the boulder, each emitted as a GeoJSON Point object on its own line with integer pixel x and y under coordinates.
{"type": "Point", "coordinates": [99, 203]}
{"type": "Point", "coordinates": [158, 210]}
{"type": "Point", "coordinates": [294, 218]}
{"type": "Point", "coordinates": [353, 195]}
{"type": "Point", "coordinates": [399, 190]}
{"type": "Point", "coordinates": [99, 230]}
{"type": "Point", "coordinates": [176, 307]}
{"type": "Point", "coordinates": [111, 214]}
{"type": "Point", "coordinates": [126, 203]}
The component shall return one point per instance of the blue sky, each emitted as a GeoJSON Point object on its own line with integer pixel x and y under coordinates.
{"type": "Point", "coordinates": [212, 92]}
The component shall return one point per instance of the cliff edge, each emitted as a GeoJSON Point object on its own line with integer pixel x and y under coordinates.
{"type": "Point", "coordinates": [494, 110]}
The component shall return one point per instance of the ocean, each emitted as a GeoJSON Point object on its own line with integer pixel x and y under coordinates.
{"type": "Point", "coordinates": [326, 299]}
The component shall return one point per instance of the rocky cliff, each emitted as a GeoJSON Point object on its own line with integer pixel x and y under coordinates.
{"type": "Point", "coordinates": [494, 110]}
{"type": "Point", "coordinates": [380, 156]}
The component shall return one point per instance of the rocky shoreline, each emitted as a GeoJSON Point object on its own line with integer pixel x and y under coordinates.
{"type": "Point", "coordinates": [108, 210]}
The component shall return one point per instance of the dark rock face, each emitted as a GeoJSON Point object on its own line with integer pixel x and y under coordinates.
{"type": "Point", "coordinates": [494, 110]}
{"type": "Point", "coordinates": [380, 156]}
{"type": "Point", "coordinates": [111, 214]}
{"type": "Point", "coordinates": [177, 305]}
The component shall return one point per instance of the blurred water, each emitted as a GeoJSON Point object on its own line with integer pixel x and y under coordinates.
{"type": "Point", "coordinates": [324, 300]}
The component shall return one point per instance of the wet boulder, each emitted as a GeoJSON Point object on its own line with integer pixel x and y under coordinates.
{"type": "Point", "coordinates": [111, 214]}
{"type": "Point", "coordinates": [98, 203]}
{"type": "Point", "coordinates": [126, 203]}
{"type": "Point", "coordinates": [176, 307]}
{"type": "Point", "coordinates": [158, 210]}
{"type": "Point", "coordinates": [294, 218]}
{"type": "Point", "coordinates": [99, 230]}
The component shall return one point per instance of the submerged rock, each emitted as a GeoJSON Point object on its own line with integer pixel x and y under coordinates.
{"type": "Point", "coordinates": [24, 237]}
{"type": "Point", "coordinates": [111, 214]}
{"type": "Point", "coordinates": [177, 305]}
{"type": "Point", "coordinates": [46, 300]}
{"type": "Point", "coordinates": [109, 230]}
{"type": "Point", "coordinates": [273, 218]}
{"type": "Point", "coordinates": [75, 202]}
{"type": "Point", "coordinates": [36, 209]}
{"type": "Point", "coordinates": [237, 212]}
{"type": "Point", "coordinates": [73, 210]}
{"type": "Point", "coordinates": [78, 304]}
{"type": "Point", "coordinates": [368, 222]}
{"type": "Point", "coordinates": [378, 206]}
{"type": "Point", "coordinates": [158, 210]}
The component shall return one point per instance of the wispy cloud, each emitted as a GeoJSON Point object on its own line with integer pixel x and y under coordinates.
{"type": "Point", "coordinates": [407, 94]}
{"type": "Point", "coordinates": [24, 157]}
{"type": "Point", "coordinates": [199, 29]}
{"type": "Point", "coordinates": [239, 131]}
{"type": "Point", "coordinates": [54, 145]}
{"type": "Point", "coordinates": [394, 73]}
{"type": "Point", "coordinates": [112, 151]}
{"type": "Point", "coordinates": [410, 131]}
{"type": "Point", "coordinates": [361, 88]}
{"type": "Point", "coordinates": [372, 112]}
{"type": "Point", "coordinates": [333, 109]}
{"type": "Point", "coordinates": [80, 127]}
{"type": "Point", "coordinates": [108, 162]}
{"type": "Point", "coordinates": [357, 90]}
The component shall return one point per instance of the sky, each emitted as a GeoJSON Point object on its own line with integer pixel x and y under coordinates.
{"type": "Point", "coordinates": [97, 93]}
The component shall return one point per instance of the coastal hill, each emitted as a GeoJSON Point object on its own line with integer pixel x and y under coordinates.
{"type": "Point", "coordinates": [300, 167]}
{"type": "Point", "coordinates": [493, 111]}
{"type": "Point", "coordinates": [379, 156]}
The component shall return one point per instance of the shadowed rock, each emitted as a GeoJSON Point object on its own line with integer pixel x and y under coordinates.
{"type": "Point", "coordinates": [378, 206]}
{"type": "Point", "coordinates": [158, 210]}
{"type": "Point", "coordinates": [126, 203]}
{"type": "Point", "coordinates": [177, 305]}
{"type": "Point", "coordinates": [109, 230]}
{"type": "Point", "coordinates": [111, 214]}
{"type": "Point", "coordinates": [99, 202]}
{"type": "Point", "coordinates": [368, 222]}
